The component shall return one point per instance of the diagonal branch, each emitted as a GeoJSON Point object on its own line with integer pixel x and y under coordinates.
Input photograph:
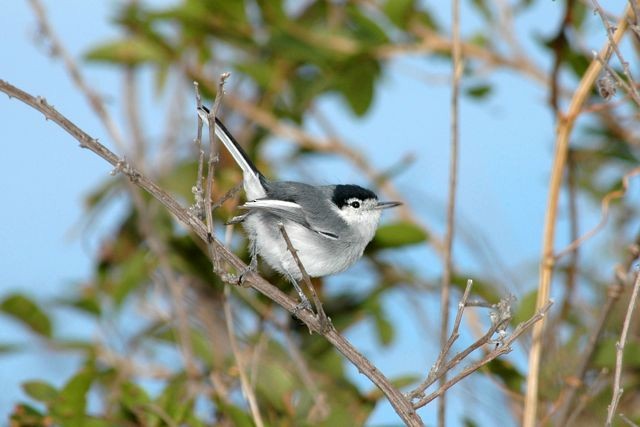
{"type": "Point", "coordinates": [322, 317]}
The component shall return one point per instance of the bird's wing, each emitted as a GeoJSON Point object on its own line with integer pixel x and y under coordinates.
{"type": "Point", "coordinates": [286, 210]}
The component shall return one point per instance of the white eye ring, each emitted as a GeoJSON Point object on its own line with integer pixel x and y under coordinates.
{"type": "Point", "coordinates": [355, 204]}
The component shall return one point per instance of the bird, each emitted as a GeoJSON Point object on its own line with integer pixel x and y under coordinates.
{"type": "Point", "coordinates": [329, 226]}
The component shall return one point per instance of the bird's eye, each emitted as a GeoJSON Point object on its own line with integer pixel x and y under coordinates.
{"type": "Point", "coordinates": [355, 204]}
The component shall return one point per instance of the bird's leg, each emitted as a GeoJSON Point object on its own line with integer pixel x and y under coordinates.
{"type": "Point", "coordinates": [253, 263]}
{"type": "Point", "coordinates": [304, 301]}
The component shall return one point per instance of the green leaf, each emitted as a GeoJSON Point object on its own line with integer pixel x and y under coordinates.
{"type": "Point", "coordinates": [10, 348]}
{"type": "Point", "coordinates": [483, 8]}
{"type": "Point", "coordinates": [605, 356]}
{"type": "Point", "coordinates": [479, 91]}
{"type": "Point", "coordinates": [28, 416]}
{"type": "Point", "coordinates": [40, 391]}
{"type": "Point", "coordinates": [237, 416]}
{"type": "Point", "coordinates": [384, 328]}
{"type": "Point", "coordinates": [69, 407]}
{"type": "Point", "coordinates": [175, 400]}
{"type": "Point", "coordinates": [135, 400]}
{"type": "Point", "coordinates": [364, 29]}
{"type": "Point", "coordinates": [526, 308]}
{"type": "Point", "coordinates": [398, 382]}
{"type": "Point", "coordinates": [25, 310]}
{"type": "Point", "coordinates": [356, 83]}
{"type": "Point", "coordinates": [275, 384]}
{"type": "Point", "coordinates": [398, 234]}
{"type": "Point", "coordinates": [128, 51]}
{"type": "Point", "coordinates": [485, 290]}
{"type": "Point", "coordinates": [134, 273]}
{"type": "Point", "coordinates": [507, 372]}
{"type": "Point", "coordinates": [398, 11]}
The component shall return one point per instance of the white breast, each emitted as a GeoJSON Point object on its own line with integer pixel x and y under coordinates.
{"type": "Point", "coordinates": [319, 255]}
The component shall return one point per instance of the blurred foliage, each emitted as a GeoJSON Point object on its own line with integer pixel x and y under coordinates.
{"type": "Point", "coordinates": [284, 56]}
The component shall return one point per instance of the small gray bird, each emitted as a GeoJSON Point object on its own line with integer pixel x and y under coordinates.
{"type": "Point", "coordinates": [328, 225]}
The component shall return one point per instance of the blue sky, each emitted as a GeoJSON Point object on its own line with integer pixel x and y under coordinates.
{"type": "Point", "coordinates": [504, 163]}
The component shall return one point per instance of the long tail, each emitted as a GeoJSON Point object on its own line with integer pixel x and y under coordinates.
{"type": "Point", "coordinates": [252, 178]}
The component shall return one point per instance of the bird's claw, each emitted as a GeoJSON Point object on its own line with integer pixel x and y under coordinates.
{"type": "Point", "coordinates": [303, 305]}
{"type": "Point", "coordinates": [243, 275]}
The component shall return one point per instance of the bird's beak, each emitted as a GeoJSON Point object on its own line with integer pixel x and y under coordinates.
{"type": "Point", "coordinates": [385, 205]}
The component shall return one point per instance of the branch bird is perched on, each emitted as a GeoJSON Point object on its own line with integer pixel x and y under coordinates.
{"type": "Point", "coordinates": [328, 225]}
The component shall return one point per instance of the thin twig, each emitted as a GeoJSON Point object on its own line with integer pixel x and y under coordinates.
{"type": "Point", "coordinates": [577, 381]}
{"type": "Point", "coordinates": [322, 317]}
{"type": "Point", "coordinates": [244, 382]}
{"type": "Point", "coordinates": [211, 160]}
{"type": "Point", "coordinates": [499, 321]}
{"type": "Point", "coordinates": [627, 420]}
{"type": "Point", "coordinates": [57, 49]}
{"type": "Point", "coordinates": [131, 106]}
{"type": "Point", "coordinates": [505, 347]}
{"type": "Point", "coordinates": [435, 369]}
{"type": "Point", "coordinates": [631, 86]}
{"type": "Point", "coordinates": [597, 386]}
{"type": "Point", "coordinates": [617, 388]}
{"type": "Point", "coordinates": [321, 409]}
{"type": "Point", "coordinates": [604, 215]}
{"type": "Point", "coordinates": [197, 191]}
{"type": "Point", "coordinates": [547, 261]}
{"type": "Point", "coordinates": [451, 199]}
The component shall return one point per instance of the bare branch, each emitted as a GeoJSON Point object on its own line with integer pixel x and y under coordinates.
{"type": "Point", "coordinates": [613, 294]}
{"type": "Point", "coordinates": [617, 387]}
{"type": "Point", "coordinates": [604, 215]}
{"type": "Point", "coordinates": [95, 101]}
{"type": "Point", "coordinates": [247, 390]}
{"type": "Point", "coordinates": [322, 317]}
{"type": "Point", "coordinates": [451, 198]}
{"type": "Point", "coordinates": [212, 159]}
{"type": "Point", "coordinates": [435, 369]}
{"type": "Point", "coordinates": [504, 348]}
{"type": "Point", "coordinates": [198, 207]}
{"type": "Point", "coordinates": [629, 85]}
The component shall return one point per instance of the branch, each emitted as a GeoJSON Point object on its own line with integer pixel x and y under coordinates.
{"type": "Point", "coordinates": [577, 381]}
{"type": "Point", "coordinates": [322, 317]}
{"type": "Point", "coordinates": [451, 198]}
{"type": "Point", "coordinates": [244, 381]}
{"type": "Point", "coordinates": [504, 348]}
{"type": "Point", "coordinates": [198, 206]}
{"type": "Point", "coordinates": [435, 369]}
{"type": "Point", "coordinates": [401, 405]}
{"type": "Point", "coordinates": [604, 215]}
{"type": "Point", "coordinates": [212, 159]}
{"type": "Point", "coordinates": [95, 101]}
{"type": "Point", "coordinates": [617, 389]}
{"type": "Point", "coordinates": [629, 85]}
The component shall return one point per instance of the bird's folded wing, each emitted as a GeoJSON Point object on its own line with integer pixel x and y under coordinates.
{"type": "Point", "coordinates": [290, 211]}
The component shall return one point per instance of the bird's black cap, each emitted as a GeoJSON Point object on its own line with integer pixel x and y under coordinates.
{"type": "Point", "coordinates": [342, 193]}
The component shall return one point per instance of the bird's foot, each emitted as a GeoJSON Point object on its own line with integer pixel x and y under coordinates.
{"type": "Point", "coordinates": [302, 305]}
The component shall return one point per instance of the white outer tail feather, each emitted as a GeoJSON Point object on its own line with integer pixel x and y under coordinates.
{"type": "Point", "coordinates": [251, 180]}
